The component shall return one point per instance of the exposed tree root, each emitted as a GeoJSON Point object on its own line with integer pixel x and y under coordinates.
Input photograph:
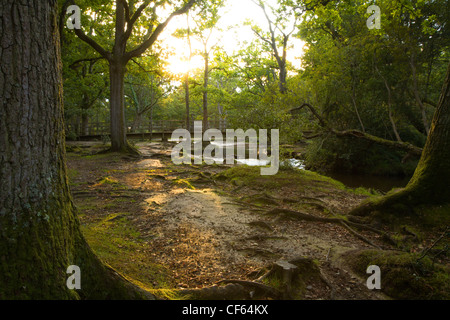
{"type": "Point", "coordinates": [292, 275]}
{"type": "Point", "coordinates": [260, 198]}
{"type": "Point", "coordinates": [231, 291]}
{"type": "Point", "coordinates": [308, 198]}
{"type": "Point", "coordinates": [302, 216]}
{"type": "Point", "coordinates": [246, 204]}
{"type": "Point", "coordinates": [446, 233]}
{"type": "Point", "coordinates": [359, 236]}
{"type": "Point", "coordinates": [256, 289]}
{"type": "Point", "coordinates": [319, 205]}
{"type": "Point", "coordinates": [400, 200]}
{"type": "Point", "coordinates": [262, 237]}
{"type": "Point", "coordinates": [307, 217]}
{"type": "Point", "coordinates": [129, 151]}
{"type": "Point", "coordinates": [234, 290]}
{"type": "Point", "coordinates": [84, 194]}
{"type": "Point", "coordinates": [348, 223]}
{"type": "Point", "coordinates": [265, 198]}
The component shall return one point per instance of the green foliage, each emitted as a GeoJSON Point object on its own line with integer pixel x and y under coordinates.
{"type": "Point", "coordinates": [147, 84]}
{"type": "Point", "coordinates": [347, 69]}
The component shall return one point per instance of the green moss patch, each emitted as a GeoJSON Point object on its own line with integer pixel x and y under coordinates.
{"type": "Point", "coordinates": [297, 180]}
{"type": "Point", "coordinates": [116, 242]}
{"type": "Point", "coordinates": [404, 275]}
{"type": "Point", "coordinates": [434, 216]}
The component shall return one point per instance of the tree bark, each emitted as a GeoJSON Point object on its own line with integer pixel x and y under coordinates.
{"type": "Point", "coordinates": [117, 107]}
{"type": "Point", "coordinates": [84, 124]}
{"type": "Point", "coordinates": [137, 123]}
{"type": "Point", "coordinates": [187, 101]}
{"type": "Point", "coordinates": [205, 92]}
{"type": "Point", "coordinates": [283, 76]}
{"type": "Point", "coordinates": [117, 71]}
{"type": "Point", "coordinates": [432, 174]}
{"type": "Point", "coordinates": [186, 79]}
{"type": "Point", "coordinates": [282, 65]}
{"type": "Point", "coordinates": [39, 230]}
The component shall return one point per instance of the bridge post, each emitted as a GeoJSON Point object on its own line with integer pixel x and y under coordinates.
{"type": "Point", "coordinates": [163, 137]}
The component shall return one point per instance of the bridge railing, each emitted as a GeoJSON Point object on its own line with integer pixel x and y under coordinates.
{"type": "Point", "coordinates": [154, 126]}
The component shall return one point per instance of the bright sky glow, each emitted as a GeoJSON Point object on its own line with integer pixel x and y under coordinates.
{"type": "Point", "coordinates": [235, 14]}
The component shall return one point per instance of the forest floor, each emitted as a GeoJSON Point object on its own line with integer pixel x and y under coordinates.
{"type": "Point", "coordinates": [168, 227]}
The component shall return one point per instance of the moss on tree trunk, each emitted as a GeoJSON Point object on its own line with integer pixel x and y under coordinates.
{"type": "Point", "coordinates": [39, 230]}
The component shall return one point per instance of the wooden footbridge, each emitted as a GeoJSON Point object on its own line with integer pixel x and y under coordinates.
{"type": "Point", "coordinates": [153, 130]}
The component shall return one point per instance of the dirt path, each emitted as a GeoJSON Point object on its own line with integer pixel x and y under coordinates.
{"type": "Point", "coordinates": [203, 235]}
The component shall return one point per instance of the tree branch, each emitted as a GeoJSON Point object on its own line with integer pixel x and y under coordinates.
{"type": "Point", "coordinates": [147, 43]}
{"type": "Point", "coordinates": [413, 150]}
{"type": "Point", "coordinates": [145, 70]}
{"type": "Point", "coordinates": [80, 34]}
{"type": "Point", "coordinates": [127, 10]}
{"type": "Point", "coordinates": [97, 47]}
{"type": "Point", "coordinates": [73, 65]}
{"type": "Point", "coordinates": [261, 37]}
{"type": "Point", "coordinates": [131, 21]}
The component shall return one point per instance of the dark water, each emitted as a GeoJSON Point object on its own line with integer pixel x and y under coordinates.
{"type": "Point", "coordinates": [380, 183]}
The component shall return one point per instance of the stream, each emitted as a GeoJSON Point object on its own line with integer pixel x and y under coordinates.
{"type": "Point", "coordinates": [380, 183]}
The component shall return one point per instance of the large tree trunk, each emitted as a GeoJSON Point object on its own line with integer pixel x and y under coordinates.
{"type": "Point", "coordinates": [187, 100]}
{"type": "Point", "coordinates": [432, 176]}
{"type": "Point", "coordinates": [125, 21]}
{"type": "Point", "coordinates": [39, 229]}
{"type": "Point", "coordinates": [84, 123]}
{"type": "Point", "coordinates": [429, 184]}
{"type": "Point", "coordinates": [117, 107]}
{"type": "Point", "coordinates": [283, 73]}
{"type": "Point", "coordinates": [137, 123]}
{"type": "Point", "coordinates": [117, 69]}
{"type": "Point", "coordinates": [186, 80]}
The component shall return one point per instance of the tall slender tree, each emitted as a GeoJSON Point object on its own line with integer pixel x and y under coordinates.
{"type": "Point", "coordinates": [206, 20]}
{"type": "Point", "coordinates": [126, 21]}
{"type": "Point", "coordinates": [186, 33]}
{"type": "Point", "coordinates": [281, 26]}
{"type": "Point", "coordinates": [186, 77]}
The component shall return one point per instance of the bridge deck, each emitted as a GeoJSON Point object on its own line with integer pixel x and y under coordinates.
{"type": "Point", "coordinates": [155, 129]}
